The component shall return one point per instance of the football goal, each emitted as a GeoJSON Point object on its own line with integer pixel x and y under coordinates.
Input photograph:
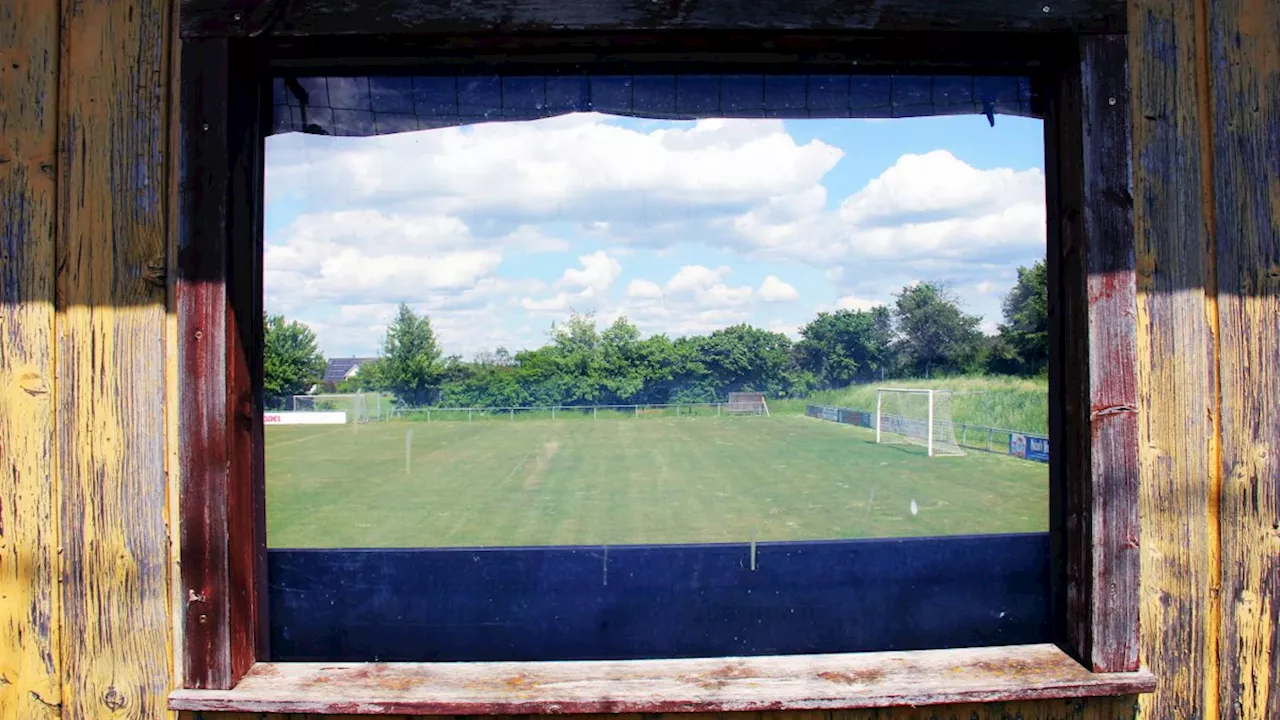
{"type": "Point", "coordinates": [359, 407]}
{"type": "Point", "coordinates": [917, 417]}
{"type": "Point", "coordinates": [747, 403]}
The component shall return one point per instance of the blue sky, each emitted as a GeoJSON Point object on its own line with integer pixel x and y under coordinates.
{"type": "Point", "coordinates": [498, 230]}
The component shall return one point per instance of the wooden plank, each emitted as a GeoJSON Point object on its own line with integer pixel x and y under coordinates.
{"type": "Point", "coordinates": [248, 111]}
{"type": "Point", "coordinates": [1123, 707]}
{"type": "Point", "coordinates": [30, 676]}
{"type": "Point", "coordinates": [751, 51]}
{"type": "Point", "coordinates": [201, 301]}
{"type": "Point", "coordinates": [704, 685]}
{"type": "Point", "coordinates": [1176, 360]}
{"type": "Point", "coordinates": [1095, 482]}
{"type": "Point", "coordinates": [299, 18]}
{"type": "Point", "coordinates": [1113, 392]}
{"type": "Point", "coordinates": [1116, 708]}
{"type": "Point", "coordinates": [110, 289]}
{"type": "Point", "coordinates": [1244, 51]}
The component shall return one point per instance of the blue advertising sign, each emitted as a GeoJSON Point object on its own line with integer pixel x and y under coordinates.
{"type": "Point", "coordinates": [1038, 449]}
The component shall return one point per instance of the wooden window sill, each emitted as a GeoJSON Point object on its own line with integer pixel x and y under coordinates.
{"type": "Point", "coordinates": [799, 682]}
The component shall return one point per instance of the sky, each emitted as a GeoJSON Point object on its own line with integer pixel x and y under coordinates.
{"type": "Point", "coordinates": [498, 230]}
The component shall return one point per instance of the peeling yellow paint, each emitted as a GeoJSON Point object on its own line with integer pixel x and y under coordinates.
{"type": "Point", "coordinates": [30, 665]}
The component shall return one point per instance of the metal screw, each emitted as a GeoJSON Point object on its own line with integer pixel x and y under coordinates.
{"type": "Point", "coordinates": [1111, 101]}
{"type": "Point", "coordinates": [1046, 8]}
{"type": "Point", "coordinates": [237, 16]}
{"type": "Point", "coordinates": [205, 127]}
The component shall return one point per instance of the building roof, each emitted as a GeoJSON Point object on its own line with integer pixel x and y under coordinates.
{"type": "Point", "coordinates": [339, 369]}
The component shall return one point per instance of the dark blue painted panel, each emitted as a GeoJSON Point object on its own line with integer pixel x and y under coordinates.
{"type": "Point", "coordinates": [658, 601]}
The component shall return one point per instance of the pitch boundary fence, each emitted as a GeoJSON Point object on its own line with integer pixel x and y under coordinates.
{"type": "Point", "coordinates": [431, 413]}
{"type": "Point", "coordinates": [1028, 446]}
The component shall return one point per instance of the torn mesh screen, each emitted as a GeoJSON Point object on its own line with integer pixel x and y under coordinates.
{"type": "Point", "coordinates": [358, 106]}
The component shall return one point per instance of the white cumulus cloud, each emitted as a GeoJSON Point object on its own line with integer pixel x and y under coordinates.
{"type": "Point", "coordinates": [774, 290]}
{"type": "Point", "coordinates": [595, 277]}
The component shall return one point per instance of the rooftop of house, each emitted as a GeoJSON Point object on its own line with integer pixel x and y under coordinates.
{"type": "Point", "coordinates": [340, 369]}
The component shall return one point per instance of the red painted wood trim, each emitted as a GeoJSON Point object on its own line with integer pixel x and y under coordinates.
{"type": "Point", "coordinates": [1113, 351]}
{"type": "Point", "coordinates": [246, 492]}
{"type": "Point", "coordinates": [1093, 376]}
{"type": "Point", "coordinates": [219, 303]}
{"type": "Point", "coordinates": [758, 684]}
{"type": "Point", "coordinates": [202, 393]}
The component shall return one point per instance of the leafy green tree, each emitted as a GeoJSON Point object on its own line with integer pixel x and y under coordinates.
{"type": "Point", "coordinates": [846, 346]}
{"type": "Point", "coordinates": [411, 365]}
{"type": "Point", "coordinates": [934, 332]}
{"type": "Point", "coordinates": [291, 361]}
{"type": "Point", "coordinates": [743, 358]}
{"type": "Point", "coordinates": [623, 375]}
{"type": "Point", "coordinates": [1022, 347]}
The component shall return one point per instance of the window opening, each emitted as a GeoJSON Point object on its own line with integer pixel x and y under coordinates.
{"type": "Point", "coordinates": [614, 366]}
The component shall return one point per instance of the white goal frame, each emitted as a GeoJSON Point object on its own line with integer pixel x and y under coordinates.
{"type": "Point", "coordinates": [365, 406]}
{"type": "Point", "coordinates": [755, 405]}
{"type": "Point", "coordinates": [930, 421]}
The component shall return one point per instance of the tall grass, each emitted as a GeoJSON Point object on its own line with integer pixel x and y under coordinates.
{"type": "Point", "coordinates": [1010, 403]}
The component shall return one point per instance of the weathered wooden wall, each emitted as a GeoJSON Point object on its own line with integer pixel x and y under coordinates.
{"type": "Point", "coordinates": [86, 158]}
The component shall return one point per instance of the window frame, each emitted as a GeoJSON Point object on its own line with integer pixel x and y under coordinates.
{"type": "Point", "coordinates": [1076, 53]}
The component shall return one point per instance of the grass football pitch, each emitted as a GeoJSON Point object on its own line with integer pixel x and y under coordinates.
{"type": "Point", "coordinates": [627, 481]}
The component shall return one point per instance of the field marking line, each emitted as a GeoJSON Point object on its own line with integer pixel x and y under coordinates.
{"type": "Point", "coordinates": [282, 443]}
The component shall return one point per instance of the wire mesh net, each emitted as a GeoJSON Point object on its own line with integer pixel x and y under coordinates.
{"type": "Point", "coordinates": [917, 417]}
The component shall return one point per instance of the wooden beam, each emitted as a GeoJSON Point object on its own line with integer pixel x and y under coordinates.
{"type": "Point", "coordinates": [1093, 382]}
{"type": "Point", "coordinates": [864, 680]}
{"type": "Point", "coordinates": [1244, 98]}
{"type": "Point", "coordinates": [30, 664]}
{"type": "Point", "coordinates": [303, 18]}
{"type": "Point", "coordinates": [248, 114]}
{"type": "Point", "coordinates": [201, 299]}
{"type": "Point", "coordinates": [710, 51]}
{"type": "Point", "coordinates": [111, 257]}
{"type": "Point", "coordinates": [1177, 359]}
{"type": "Point", "coordinates": [219, 301]}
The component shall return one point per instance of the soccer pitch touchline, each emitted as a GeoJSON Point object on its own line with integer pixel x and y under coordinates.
{"type": "Point", "coordinates": [283, 443]}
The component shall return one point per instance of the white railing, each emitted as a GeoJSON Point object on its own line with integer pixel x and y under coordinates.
{"type": "Point", "coordinates": [432, 412]}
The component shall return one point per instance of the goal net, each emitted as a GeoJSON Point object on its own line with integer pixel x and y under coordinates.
{"type": "Point", "coordinates": [359, 407]}
{"type": "Point", "coordinates": [747, 403]}
{"type": "Point", "coordinates": [917, 417]}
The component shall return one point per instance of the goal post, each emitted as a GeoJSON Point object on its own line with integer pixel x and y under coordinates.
{"type": "Point", "coordinates": [746, 403]}
{"type": "Point", "coordinates": [360, 407]}
{"type": "Point", "coordinates": [917, 417]}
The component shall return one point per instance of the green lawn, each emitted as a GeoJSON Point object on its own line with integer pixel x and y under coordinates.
{"type": "Point", "coordinates": [630, 480]}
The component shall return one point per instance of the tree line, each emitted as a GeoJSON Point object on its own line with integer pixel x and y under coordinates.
{"type": "Point", "coordinates": [925, 332]}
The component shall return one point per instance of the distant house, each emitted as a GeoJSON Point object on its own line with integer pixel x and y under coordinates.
{"type": "Point", "coordinates": [340, 369]}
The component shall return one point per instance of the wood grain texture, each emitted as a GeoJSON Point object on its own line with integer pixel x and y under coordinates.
{"type": "Point", "coordinates": [201, 299]}
{"type": "Point", "coordinates": [754, 51]}
{"type": "Point", "coordinates": [1119, 708]}
{"type": "Point", "coordinates": [1244, 51]}
{"type": "Point", "coordinates": [1177, 361]}
{"type": "Point", "coordinates": [204, 18]}
{"type": "Point", "coordinates": [109, 393]}
{"type": "Point", "coordinates": [248, 109]}
{"type": "Point", "coordinates": [1112, 308]}
{"type": "Point", "coordinates": [801, 682]}
{"type": "Point", "coordinates": [1094, 482]}
{"type": "Point", "coordinates": [30, 677]}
